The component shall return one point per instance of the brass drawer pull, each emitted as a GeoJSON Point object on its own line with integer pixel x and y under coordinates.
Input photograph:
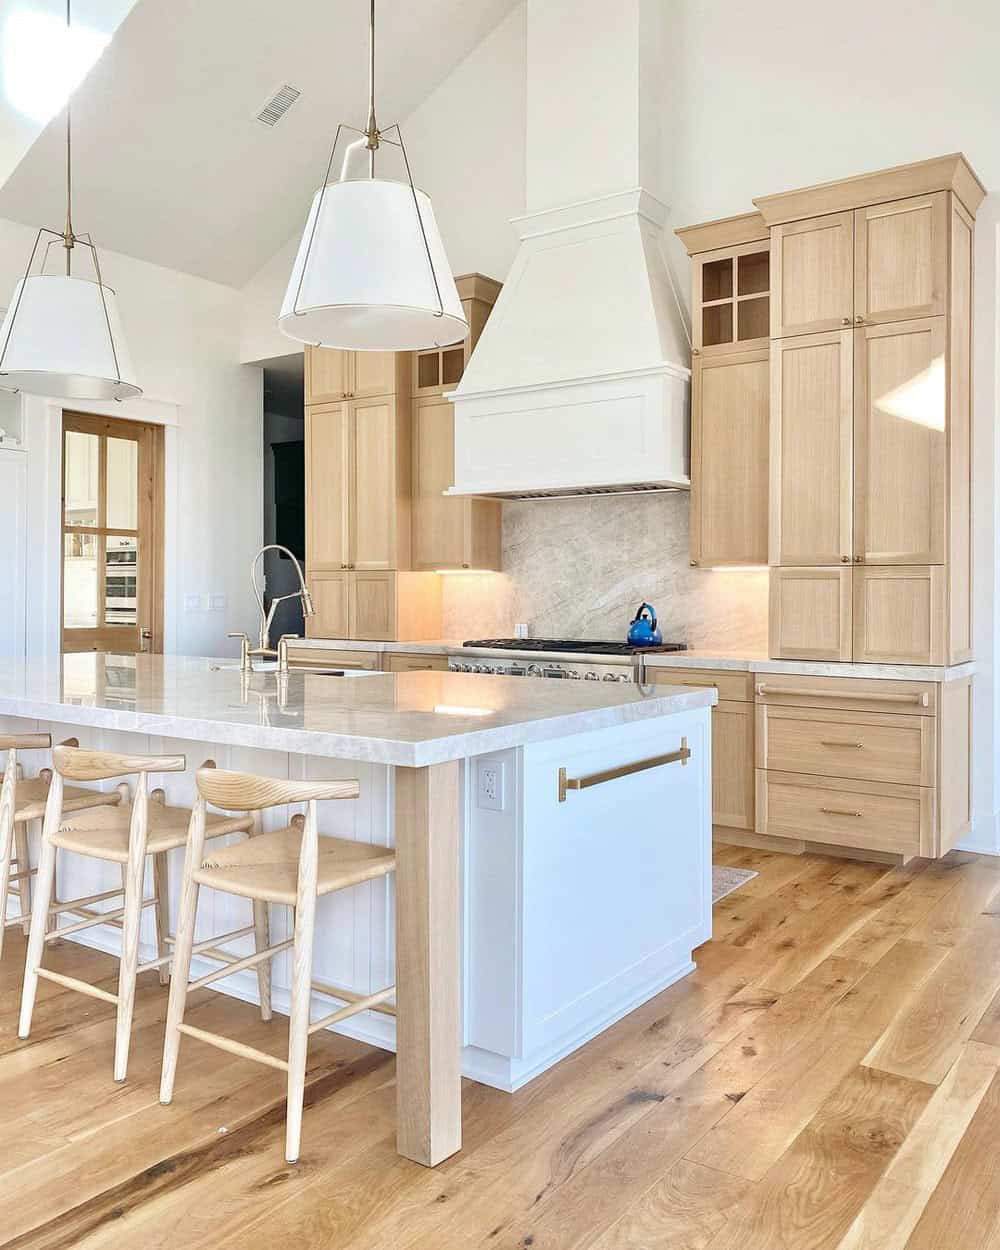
{"type": "Point", "coordinates": [921, 698]}
{"type": "Point", "coordinates": [714, 685]}
{"type": "Point", "coordinates": [840, 811]}
{"type": "Point", "coordinates": [683, 754]}
{"type": "Point", "coordinates": [856, 746]}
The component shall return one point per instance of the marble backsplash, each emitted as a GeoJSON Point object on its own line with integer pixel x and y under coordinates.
{"type": "Point", "coordinates": [581, 567]}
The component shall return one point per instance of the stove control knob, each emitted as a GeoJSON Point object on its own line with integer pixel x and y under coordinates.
{"type": "Point", "coordinates": [573, 673]}
{"type": "Point", "coordinates": [623, 677]}
{"type": "Point", "coordinates": [534, 670]}
{"type": "Point", "coordinates": [591, 677]}
{"type": "Point", "coordinates": [610, 677]}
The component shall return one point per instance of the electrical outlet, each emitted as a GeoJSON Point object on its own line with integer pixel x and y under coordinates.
{"type": "Point", "coordinates": [216, 603]}
{"type": "Point", "coordinates": [489, 785]}
{"type": "Point", "coordinates": [192, 603]}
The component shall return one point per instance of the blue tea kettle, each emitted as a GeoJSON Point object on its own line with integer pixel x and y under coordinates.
{"type": "Point", "coordinates": [642, 632]}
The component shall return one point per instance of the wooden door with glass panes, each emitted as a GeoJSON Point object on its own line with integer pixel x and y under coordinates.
{"type": "Point", "coordinates": [112, 507]}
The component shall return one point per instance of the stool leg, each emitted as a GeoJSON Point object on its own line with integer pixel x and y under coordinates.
{"type": "Point", "coordinates": [162, 912]}
{"type": "Point", "coordinates": [44, 883]}
{"type": "Point", "coordinates": [7, 845]}
{"type": "Point", "coordinates": [298, 1024]}
{"type": "Point", "coordinates": [262, 938]}
{"type": "Point", "coordinates": [23, 865]}
{"type": "Point", "coordinates": [181, 968]}
{"type": "Point", "coordinates": [135, 871]}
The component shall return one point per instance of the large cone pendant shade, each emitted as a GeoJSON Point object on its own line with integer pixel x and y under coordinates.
{"type": "Point", "coordinates": [371, 273]}
{"type": "Point", "coordinates": [63, 337]}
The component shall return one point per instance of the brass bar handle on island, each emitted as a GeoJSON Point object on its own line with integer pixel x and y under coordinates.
{"type": "Point", "coordinates": [841, 811]}
{"type": "Point", "coordinates": [682, 754]}
{"type": "Point", "coordinates": [921, 698]}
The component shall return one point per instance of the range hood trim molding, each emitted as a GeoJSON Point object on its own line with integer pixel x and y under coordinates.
{"type": "Point", "coordinates": [664, 368]}
{"type": "Point", "coordinates": [637, 202]}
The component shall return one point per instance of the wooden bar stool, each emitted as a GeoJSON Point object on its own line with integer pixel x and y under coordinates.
{"type": "Point", "coordinates": [293, 866]}
{"type": "Point", "coordinates": [125, 835]}
{"type": "Point", "coordinates": [22, 800]}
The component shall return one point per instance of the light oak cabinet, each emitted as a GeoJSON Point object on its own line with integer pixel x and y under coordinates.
{"type": "Point", "coordinates": [732, 741]}
{"type": "Point", "coordinates": [438, 369]}
{"type": "Point", "coordinates": [332, 374]}
{"type": "Point", "coordinates": [812, 439]}
{"type": "Point", "coordinates": [730, 391]}
{"type": "Point", "coordinates": [810, 613]}
{"type": "Point", "coordinates": [376, 607]}
{"type": "Point", "coordinates": [812, 274]}
{"type": "Point", "coordinates": [415, 662]}
{"type": "Point", "coordinates": [871, 766]}
{"type": "Point", "coordinates": [870, 422]}
{"type": "Point", "coordinates": [358, 484]}
{"type": "Point", "coordinates": [900, 418]}
{"type": "Point", "coordinates": [729, 456]}
{"type": "Point", "coordinates": [448, 533]}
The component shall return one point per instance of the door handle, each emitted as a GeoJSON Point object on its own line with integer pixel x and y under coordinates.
{"type": "Point", "coordinates": [145, 637]}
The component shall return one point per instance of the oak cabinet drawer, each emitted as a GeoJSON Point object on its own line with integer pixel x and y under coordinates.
{"type": "Point", "coordinates": [866, 746]}
{"type": "Point", "coordinates": [876, 816]}
{"type": "Point", "coordinates": [414, 662]}
{"type": "Point", "coordinates": [859, 694]}
{"type": "Point", "coordinates": [321, 657]}
{"type": "Point", "coordinates": [734, 687]}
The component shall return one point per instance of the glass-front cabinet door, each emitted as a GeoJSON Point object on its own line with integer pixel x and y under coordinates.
{"type": "Point", "coordinates": [112, 587]}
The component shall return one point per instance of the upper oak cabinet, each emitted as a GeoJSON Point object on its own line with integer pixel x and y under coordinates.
{"type": "Point", "coordinates": [870, 413]}
{"type": "Point", "coordinates": [730, 391]}
{"type": "Point", "coordinates": [333, 374]}
{"type": "Point", "coordinates": [449, 532]}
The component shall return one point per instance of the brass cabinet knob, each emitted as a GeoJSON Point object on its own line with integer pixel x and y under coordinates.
{"type": "Point", "coordinates": [859, 559]}
{"type": "Point", "coordinates": [845, 559]}
{"type": "Point", "coordinates": [694, 564]}
{"type": "Point", "coordinates": [859, 320]}
{"type": "Point", "coordinates": [845, 321]}
{"type": "Point", "coordinates": [695, 351]}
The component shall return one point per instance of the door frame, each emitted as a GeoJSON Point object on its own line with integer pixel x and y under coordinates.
{"type": "Point", "coordinates": [42, 440]}
{"type": "Point", "coordinates": [149, 522]}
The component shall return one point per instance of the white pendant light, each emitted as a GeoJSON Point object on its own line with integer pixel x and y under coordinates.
{"type": "Point", "coordinates": [62, 335]}
{"type": "Point", "coordinates": [371, 272]}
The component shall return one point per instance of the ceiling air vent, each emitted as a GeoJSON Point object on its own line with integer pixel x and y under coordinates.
{"type": "Point", "coordinates": [278, 105]}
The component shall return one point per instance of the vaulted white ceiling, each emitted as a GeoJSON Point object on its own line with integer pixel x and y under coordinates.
{"type": "Point", "coordinates": [171, 165]}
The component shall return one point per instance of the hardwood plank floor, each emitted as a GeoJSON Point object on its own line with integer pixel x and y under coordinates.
{"type": "Point", "coordinates": [826, 1080]}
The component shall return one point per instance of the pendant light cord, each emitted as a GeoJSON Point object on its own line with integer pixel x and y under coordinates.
{"type": "Point", "coordinates": [372, 129]}
{"type": "Point", "coordinates": [68, 237]}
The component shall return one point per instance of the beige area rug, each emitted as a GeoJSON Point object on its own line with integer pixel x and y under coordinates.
{"type": "Point", "coordinates": [725, 880]}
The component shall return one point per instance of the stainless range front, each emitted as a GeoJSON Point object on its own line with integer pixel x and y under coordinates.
{"type": "Point", "coordinates": [567, 670]}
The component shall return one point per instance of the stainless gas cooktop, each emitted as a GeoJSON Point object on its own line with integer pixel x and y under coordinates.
{"type": "Point", "coordinates": [582, 646]}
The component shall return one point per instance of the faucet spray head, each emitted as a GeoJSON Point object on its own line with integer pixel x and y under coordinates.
{"type": "Point", "coordinates": [307, 603]}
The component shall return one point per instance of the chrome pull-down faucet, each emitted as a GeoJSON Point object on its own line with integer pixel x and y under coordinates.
{"type": "Point", "coordinates": [264, 649]}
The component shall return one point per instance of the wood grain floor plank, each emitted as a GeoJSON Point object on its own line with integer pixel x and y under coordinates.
{"type": "Point", "coordinates": [948, 922]}
{"type": "Point", "coordinates": [964, 1210]}
{"type": "Point", "coordinates": [774, 1110]}
{"type": "Point", "coordinates": [814, 1191]}
{"type": "Point", "coordinates": [891, 1213]}
{"type": "Point", "coordinates": [926, 1038]}
{"type": "Point", "coordinates": [683, 1211]}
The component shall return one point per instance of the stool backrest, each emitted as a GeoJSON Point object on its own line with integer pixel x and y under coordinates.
{"type": "Point", "coordinates": [243, 792]}
{"type": "Point", "coordinates": [25, 742]}
{"type": "Point", "coordinates": [77, 764]}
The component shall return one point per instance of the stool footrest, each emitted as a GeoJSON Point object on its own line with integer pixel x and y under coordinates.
{"type": "Point", "coordinates": [350, 996]}
{"type": "Point", "coordinates": [234, 1048]}
{"type": "Point", "coordinates": [78, 904]}
{"type": "Point", "coordinates": [203, 948]}
{"type": "Point", "coordinates": [81, 987]}
{"type": "Point", "coordinates": [352, 1009]}
{"type": "Point", "coordinates": [249, 962]}
{"type": "Point", "coordinates": [105, 917]}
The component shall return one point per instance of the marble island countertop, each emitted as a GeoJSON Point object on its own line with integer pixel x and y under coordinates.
{"type": "Point", "coordinates": [738, 661]}
{"type": "Point", "coordinates": [407, 719]}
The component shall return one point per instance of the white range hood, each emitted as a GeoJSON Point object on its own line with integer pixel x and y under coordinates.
{"type": "Point", "coordinates": [580, 381]}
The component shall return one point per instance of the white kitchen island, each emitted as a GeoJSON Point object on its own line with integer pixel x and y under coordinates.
{"type": "Point", "coordinates": [528, 913]}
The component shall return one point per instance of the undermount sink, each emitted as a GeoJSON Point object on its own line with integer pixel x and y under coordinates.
{"type": "Point", "coordinates": [263, 667]}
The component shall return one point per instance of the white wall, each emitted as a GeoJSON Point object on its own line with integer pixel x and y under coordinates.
{"type": "Point", "coordinates": [466, 148]}
{"type": "Point", "coordinates": [183, 333]}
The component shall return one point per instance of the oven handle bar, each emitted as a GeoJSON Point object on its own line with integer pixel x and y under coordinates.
{"type": "Point", "coordinates": [566, 783]}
